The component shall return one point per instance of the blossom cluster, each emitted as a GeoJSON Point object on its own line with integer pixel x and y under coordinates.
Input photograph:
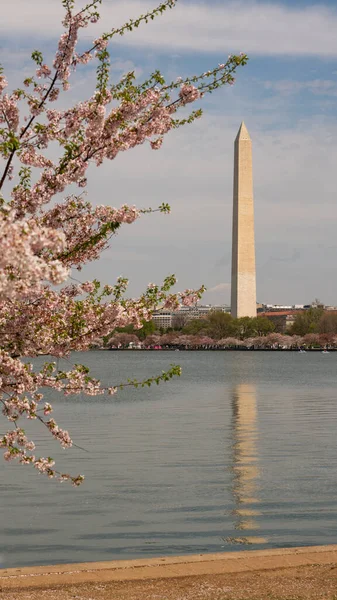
{"type": "Point", "coordinates": [25, 257]}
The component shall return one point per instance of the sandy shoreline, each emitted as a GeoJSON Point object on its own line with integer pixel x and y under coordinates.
{"type": "Point", "coordinates": [267, 573]}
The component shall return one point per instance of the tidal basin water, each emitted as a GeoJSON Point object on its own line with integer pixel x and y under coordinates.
{"type": "Point", "coordinates": [238, 453]}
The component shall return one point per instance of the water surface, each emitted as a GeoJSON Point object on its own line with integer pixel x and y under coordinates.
{"type": "Point", "coordinates": [238, 453]}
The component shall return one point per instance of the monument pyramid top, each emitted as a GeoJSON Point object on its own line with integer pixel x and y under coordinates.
{"type": "Point", "coordinates": [242, 133]}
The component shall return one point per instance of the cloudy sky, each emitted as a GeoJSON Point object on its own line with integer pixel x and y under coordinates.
{"type": "Point", "coordinates": [287, 96]}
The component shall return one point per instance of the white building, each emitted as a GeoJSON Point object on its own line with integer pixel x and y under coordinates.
{"type": "Point", "coordinates": [201, 311]}
{"type": "Point", "coordinates": [165, 318]}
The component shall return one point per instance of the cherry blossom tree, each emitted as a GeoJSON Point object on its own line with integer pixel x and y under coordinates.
{"type": "Point", "coordinates": [326, 339]}
{"type": "Point", "coordinates": [168, 339]}
{"type": "Point", "coordinates": [152, 340]}
{"type": "Point", "coordinates": [47, 229]}
{"type": "Point", "coordinates": [123, 340]}
{"type": "Point", "coordinates": [205, 341]}
{"type": "Point", "coordinates": [311, 340]}
{"type": "Point", "coordinates": [296, 341]}
{"type": "Point", "coordinates": [252, 341]}
{"type": "Point", "coordinates": [230, 342]}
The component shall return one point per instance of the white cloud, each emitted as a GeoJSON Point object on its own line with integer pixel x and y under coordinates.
{"type": "Point", "coordinates": [219, 288]}
{"type": "Point", "coordinates": [218, 294]}
{"type": "Point", "coordinates": [317, 87]}
{"type": "Point", "coordinates": [266, 28]}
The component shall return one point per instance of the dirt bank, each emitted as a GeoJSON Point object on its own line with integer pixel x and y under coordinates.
{"type": "Point", "coordinates": [298, 573]}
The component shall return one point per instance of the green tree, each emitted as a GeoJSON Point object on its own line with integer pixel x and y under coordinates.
{"type": "Point", "coordinates": [243, 327]}
{"type": "Point", "coordinates": [220, 325]}
{"type": "Point", "coordinates": [216, 325]}
{"type": "Point", "coordinates": [307, 321]}
{"type": "Point", "coordinates": [196, 326]}
{"type": "Point", "coordinates": [246, 327]}
{"type": "Point", "coordinates": [263, 326]}
{"type": "Point", "coordinates": [149, 327]}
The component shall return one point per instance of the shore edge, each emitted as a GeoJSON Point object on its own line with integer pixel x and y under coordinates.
{"type": "Point", "coordinates": [166, 567]}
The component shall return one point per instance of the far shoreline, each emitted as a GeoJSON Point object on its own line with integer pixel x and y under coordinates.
{"type": "Point", "coordinates": [240, 349]}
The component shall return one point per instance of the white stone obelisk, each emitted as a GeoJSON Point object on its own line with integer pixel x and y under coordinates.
{"type": "Point", "coordinates": [243, 290]}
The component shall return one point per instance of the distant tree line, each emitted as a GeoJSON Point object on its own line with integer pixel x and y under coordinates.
{"type": "Point", "coordinates": [314, 320]}
{"type": "Point", "coordinates": [218, 325]}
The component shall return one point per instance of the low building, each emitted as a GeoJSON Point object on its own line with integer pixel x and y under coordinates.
{"type": "Point", "coordinates": [281, 319]}
{"type": "Point", "coordinates": [200, 311]}
{"type": "Point", "coordinates": [162, 319]}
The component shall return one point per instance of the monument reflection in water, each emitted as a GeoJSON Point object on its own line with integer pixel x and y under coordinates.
{"type": "Point", "coordinates": [246, 473]}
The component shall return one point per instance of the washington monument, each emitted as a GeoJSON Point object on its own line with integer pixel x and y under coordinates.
{"type": "Point", "coordinates": [243, 289]}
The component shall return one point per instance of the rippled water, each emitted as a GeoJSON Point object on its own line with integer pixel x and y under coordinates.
{"type": "Point", "coordinates": [239, 453]}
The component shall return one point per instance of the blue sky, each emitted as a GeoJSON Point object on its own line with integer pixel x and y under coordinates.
{"type": "Point", "coordinates": [287, 97]}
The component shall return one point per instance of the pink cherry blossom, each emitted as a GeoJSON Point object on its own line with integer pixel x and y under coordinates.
{"type": "Point", "coordinates": [46, 229]}
{"type": "Point", "coordinates": [156, 144]}
{"type": "Point", "coordinates": [188, 93]}
{"type": "Point", "coordinates": [43, 71]}
{"type": "Point", "coordinates": [3, 83]}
